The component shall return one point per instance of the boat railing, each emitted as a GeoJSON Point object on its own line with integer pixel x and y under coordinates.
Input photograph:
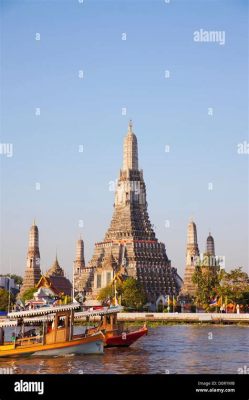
{"type": "Point", "coordinates": [29, 340]}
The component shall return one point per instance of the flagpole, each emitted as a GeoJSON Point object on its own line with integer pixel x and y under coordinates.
{"type": "Point", "coordinates": [73, 286]}
{"type": "Point", "coordinates": [9, 289]}
{"type": "Point", "coordinates": [115, 293]}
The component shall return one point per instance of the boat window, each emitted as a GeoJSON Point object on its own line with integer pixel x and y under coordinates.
{"type": "Point", "coordinates": [61, 323]}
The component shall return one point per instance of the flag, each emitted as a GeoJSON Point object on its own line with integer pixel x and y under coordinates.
{"type": "Point", "coordinates": [213, 302]}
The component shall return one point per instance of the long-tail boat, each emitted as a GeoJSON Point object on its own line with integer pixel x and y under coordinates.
{"type": "Point", "coordinates": [116, 335]}
{"type": "Point", "coordinates": [56, 336]}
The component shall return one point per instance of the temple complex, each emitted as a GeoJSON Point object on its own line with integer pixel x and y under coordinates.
{"type": "Point", "coordinates": [32, 271]}
{"type": "Point", "coordinates": [130, 242]}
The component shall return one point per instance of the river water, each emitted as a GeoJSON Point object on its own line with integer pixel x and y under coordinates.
{"type": "Point", "coordinates": [175, 349]}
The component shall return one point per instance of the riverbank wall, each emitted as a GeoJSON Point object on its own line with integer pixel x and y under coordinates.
{"type": "Point", "coordinates": [212, 318]}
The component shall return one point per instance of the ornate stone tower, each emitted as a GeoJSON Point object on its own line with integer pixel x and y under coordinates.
{"type": "Point", "coordinates": [210, 249]}
{"type": "Point", "coordinates": [32, 271]}
{"type": "Point", "coordinates": [209, 258]}
{"type": "Point", "coordinates": [191, 254]}
{"type": "Point", "coordinates": [79, 265]}
{"type": "Point", "coordinates": [130, 240]}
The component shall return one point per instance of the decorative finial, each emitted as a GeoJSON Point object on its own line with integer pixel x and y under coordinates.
{"type": "Point", "coordinates": [130, 126]}
{"type": "Point", "coordinates": [34, 222]}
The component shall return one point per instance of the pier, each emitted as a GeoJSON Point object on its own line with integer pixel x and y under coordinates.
{"type": "Point", "coordinates": [212, 318]}
{"type": "Point", "coordinates": [216, 318]}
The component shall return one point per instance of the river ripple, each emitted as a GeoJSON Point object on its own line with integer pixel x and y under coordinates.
{"type": "Point", "coordinates": [177, 349]}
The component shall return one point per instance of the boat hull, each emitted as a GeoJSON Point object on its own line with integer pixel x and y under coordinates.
{"type": "Point", "coordinates": [96, 347]}
{"type": "Point", "coordinates": [90, 345]}
{"type": "Point", "coordinates": [125, 339]}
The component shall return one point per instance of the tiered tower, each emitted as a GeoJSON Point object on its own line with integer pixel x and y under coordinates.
{"type": "Point", "coordinates": [192, 255]}
{"type": "Point", "coordinates": [130, 239]}
{"type": "Point", "coordinates": [210, 249]}
{"type": "Point", "coordinates": [32, 271]}
{"type": "Point", "coordinates": [209, 258]}
{"type": "Point", "coordinates": [79, 266]}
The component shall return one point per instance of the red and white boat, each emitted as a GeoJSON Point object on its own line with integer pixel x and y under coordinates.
{"type": "Point", "coordinates": [124, 339]}
{"type": "Point", "coordinates": [115, 333]}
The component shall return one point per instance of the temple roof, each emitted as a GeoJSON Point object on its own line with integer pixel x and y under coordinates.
{"type": "Point", "coordinates": [55, 269]}
{"type": "Point", "coordinates": [60, 285]}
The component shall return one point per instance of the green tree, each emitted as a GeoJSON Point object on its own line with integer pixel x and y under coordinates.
{"type": "Point", "coordinates": [108, 292]}
{"type": "Point", "coordinates": [133, 295]}
{"type": "Point", "coordinates": [234, 285]}
{"type": "Point", "coordinates": [5, 297]}
{"type": "Point", "coordinates": [207, 280]}
{"type": "Point", "coordinates": [129, 292]}
{"type": "Point", "coordinates": [28, 294]}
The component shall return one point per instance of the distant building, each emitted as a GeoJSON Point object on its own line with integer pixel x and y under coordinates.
{"type": "Point", "coordinates": [32, 271]}
{"type": "Point", "coordinates": [8, 284]}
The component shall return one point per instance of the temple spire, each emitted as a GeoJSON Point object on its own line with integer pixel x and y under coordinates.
{"type": "Point", "coordinates": [130, 151]}
{"type": "Point", "coordinates": [210, 249]}
{"type": "Point", "coordinates": [32, 271]}
{"type": "Point", "coordinates": [130, 126]}
{"type": "Point", "coordinates": [192, 257]}
{"type": "Point", "coordinates": [192, 233]}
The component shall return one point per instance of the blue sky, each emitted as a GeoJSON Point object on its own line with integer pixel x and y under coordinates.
{"type": "Point", "coordinates": [123, 73]}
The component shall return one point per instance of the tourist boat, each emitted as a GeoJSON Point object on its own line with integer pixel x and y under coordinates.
{"type": "Point", "coordinates": [115, 333]}
{"type": "Point", "coordinates": [56, 335]}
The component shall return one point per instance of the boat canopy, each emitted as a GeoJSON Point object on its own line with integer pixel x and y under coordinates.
{"type": "Point", "coordinates": [5, 323]}
{"type": "Point", "coordinates": [93, 313]}
{"type": "Point", "coordinates": [42, 318]}
{"type": "Point", "coordinates": [43, 311]}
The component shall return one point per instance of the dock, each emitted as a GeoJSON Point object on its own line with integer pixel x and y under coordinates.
{"type": "Point", "coordinates": [216, 318]}
{"type": "Point", "coordinates": [164, 318]}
